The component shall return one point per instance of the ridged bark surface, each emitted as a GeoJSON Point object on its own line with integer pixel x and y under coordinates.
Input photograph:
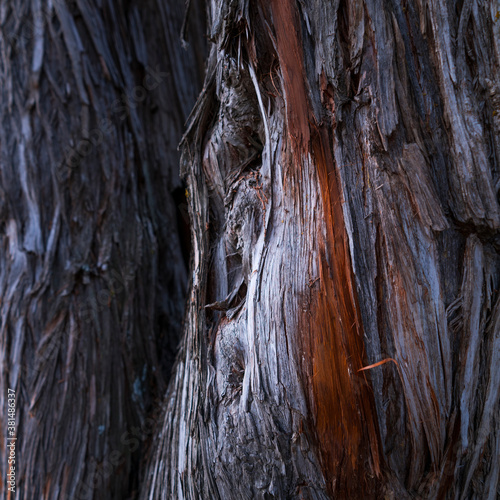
{"type": "Point", "coordinates": [342, 164]}
{"type": "Point", "coordinates": [93, 100]}
{"type": "Point", "coordinates": [343, 172]}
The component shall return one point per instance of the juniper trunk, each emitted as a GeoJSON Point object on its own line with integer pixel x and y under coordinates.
{"type": "Point", "coordinates": [342, 165]}
{"type": "Point", "coordinates": [93, 101]}
{"type": "Point", "coordinates": [343, 171]}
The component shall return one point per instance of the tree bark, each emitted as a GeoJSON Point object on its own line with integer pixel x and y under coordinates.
{"type": "Point", "coordinates": [343, 323]}
{"type": "Point", "coordinates": [342, 331]}
{"type": "Point", "coordinates": [93, 101]}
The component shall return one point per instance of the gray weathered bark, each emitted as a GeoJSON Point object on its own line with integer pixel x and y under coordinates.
{"type": "Point", "coordinates": [343, 173]}
{"type": "Point", "coordinates": [343, 179]}
{"type": "Point", "coordinates": [93, 100]}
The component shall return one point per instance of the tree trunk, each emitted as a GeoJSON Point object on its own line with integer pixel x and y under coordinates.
{"type": "Point", "coordinates": [343, 325]}
{"type": "Point", "coordinates": [93, 101]}
{"type": "Point", "coordinates": [342, 332]}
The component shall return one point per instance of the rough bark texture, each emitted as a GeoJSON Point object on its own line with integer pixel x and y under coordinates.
{"type": "Point", "coordinates": [343, 177]}
{"type": "Point", "coordinates": [343, 171]}
{"type": "Point", "coordinates": [94, 95]}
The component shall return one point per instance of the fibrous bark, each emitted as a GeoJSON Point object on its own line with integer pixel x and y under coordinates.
{"type": "Point", "coordinates": [93, 100]}
{"type": "Point", "coordinates": [343, 178]}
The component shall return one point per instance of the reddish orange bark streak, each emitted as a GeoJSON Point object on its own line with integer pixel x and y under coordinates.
{"type": "Point", "coordinates": [286, 23]}
{"type": "Point", "coordinates": [346, 421]}
{"type": "Point", "coordinates": [345, 416]}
